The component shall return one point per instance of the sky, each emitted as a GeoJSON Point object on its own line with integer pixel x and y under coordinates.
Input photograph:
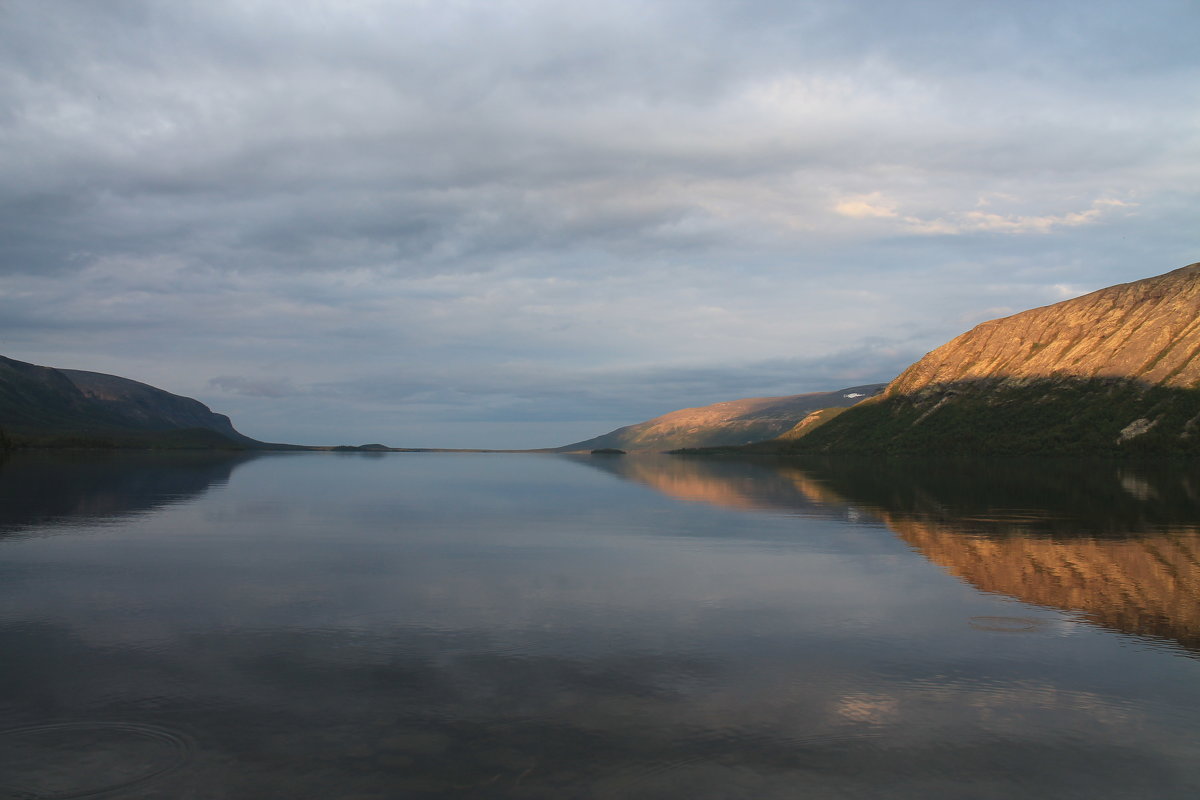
{"type": "Point", "coordinates": [522, 223]}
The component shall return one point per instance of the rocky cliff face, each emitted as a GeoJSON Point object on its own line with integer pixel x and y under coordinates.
{"type": "Point", "coordinates": [735, 422]}
{"type": "Point", "coordinates": [1114, 371]}
{"type": "Point", "coordinates": [144, 405]}
{"type": "Point", "coordinates": [1148, 330]}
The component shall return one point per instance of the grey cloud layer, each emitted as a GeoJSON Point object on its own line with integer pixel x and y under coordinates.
{"type": "Point", "coordinates": [254, 200]}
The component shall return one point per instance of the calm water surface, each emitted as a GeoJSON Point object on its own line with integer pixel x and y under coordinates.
{"type": "Point", "coordinates": [422, 625]}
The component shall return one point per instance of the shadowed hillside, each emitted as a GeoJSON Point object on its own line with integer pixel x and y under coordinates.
{"type": "Point", "coordinates": [43, 406]}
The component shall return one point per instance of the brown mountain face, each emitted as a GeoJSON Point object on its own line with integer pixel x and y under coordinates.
{"type": "Point", "coordinates": [1114, 371]}
{"type": "Point", "coordinates": [735, 422]}
{"type": "Point", "coordinates": [1147, 330]}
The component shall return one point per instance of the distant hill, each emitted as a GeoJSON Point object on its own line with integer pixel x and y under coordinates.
{"type": "Point", "coordinates": [44, 406]}
{"type": "Point", "coordinates": [735, 422]}
{"type": "Point", "coordinates": [1112, 372]}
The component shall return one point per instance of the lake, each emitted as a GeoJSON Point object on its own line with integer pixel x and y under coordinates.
{"type": "Point", "coordinates": [411, 625]}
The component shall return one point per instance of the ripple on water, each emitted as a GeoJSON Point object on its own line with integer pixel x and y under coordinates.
{"type": "Point", "coordinates": [66, 760]}
{"type": "Point", "coordinates": [1006, 624]}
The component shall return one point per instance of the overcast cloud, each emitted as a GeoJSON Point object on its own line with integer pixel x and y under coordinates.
{"type": "Point", "coordinates": [517, 224]}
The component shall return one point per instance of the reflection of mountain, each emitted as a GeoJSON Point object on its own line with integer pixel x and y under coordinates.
{"type": "Point", "coordinates": [1116, 543]}
{"type": "Point", "coordinates": [747, 485]}
{"type": "Point", "coordinates": [1147, 585]}
{"type": "Point", "coordinates": [1058, 497]}
{"type": "Point", "coordinates": [52, 486]}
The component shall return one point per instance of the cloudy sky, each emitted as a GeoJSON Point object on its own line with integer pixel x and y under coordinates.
{"type": "Point", "coordinates": [519, 223]}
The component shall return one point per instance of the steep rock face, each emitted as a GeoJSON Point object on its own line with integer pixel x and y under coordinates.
{"type": "Point", "coordinates": [1148, 330]}
{"type": "Point", "coordinates": [46, 405]}
{"type": "Point", "coordinates": [1114, 371]}
{"type": "Point", "coordinates": [147, 406]}
{"type": "Point", "coordinates": [36, 397]}
{"type": "Point", "coordinates": [734, 422]}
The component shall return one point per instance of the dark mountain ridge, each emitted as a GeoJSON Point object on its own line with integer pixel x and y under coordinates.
{"type": "Point", "coordinates": [44, 406]}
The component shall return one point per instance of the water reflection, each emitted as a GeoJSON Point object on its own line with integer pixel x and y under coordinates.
{"type": "Point", "coordinates": [746, 485]}
{"type": "Point", "coordinates": [43, 488]}
{"type": "Point", "coordinates": [1118, 543]}
{"type": "Point", "coordinates": [523, 627]}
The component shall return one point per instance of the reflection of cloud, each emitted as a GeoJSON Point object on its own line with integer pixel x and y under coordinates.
{"type": "Point", "coordinates": [869, 709]}
{"type": "Point", "coordinates": [382, 615]}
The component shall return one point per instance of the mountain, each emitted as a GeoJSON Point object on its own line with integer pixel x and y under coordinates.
{"type": "Point", "coordinates": [63, 407]}
{"type": "Point", "coordinates": [1115, 371]}
{"type": "Point", "coordinates": [734, 422]}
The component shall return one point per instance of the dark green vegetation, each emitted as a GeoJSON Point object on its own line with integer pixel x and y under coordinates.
{"type": "Point", "coordinates": [1032, 416]}
{"type": "Point", "coordinates": [46, 407]}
